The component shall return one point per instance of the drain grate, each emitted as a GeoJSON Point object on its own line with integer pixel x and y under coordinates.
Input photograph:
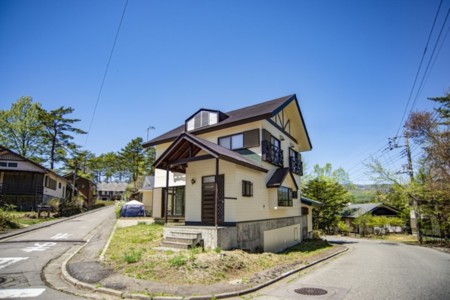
{"type": "Point", "coordinates": [311, 291]}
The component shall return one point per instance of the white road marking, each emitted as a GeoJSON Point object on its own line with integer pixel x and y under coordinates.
{"type": "Point", "coordinates": [39, 247]}
{"type": "Point", "coordinates": [7, 261]}
{"type": "Point", "coordinates": [20, 293]}
{"type": "Point", "coordinates": [61, 236]}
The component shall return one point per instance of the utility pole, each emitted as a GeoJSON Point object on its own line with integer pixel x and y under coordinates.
{"type": "Point", "coordinates": [73, 181]}
{"type": "Point", "coordinates": [414, 208]}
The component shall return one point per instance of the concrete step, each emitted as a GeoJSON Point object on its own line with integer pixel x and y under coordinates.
{"type": "Point", "coordinates": [176, 245]}
{"type": "Point", "coordinates": [186, 235]}
{"type": "Point", "coordinates": [181, 240]}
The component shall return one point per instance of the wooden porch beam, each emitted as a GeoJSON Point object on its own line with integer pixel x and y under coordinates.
{"type": "Point", "coordinates": [190, 159]}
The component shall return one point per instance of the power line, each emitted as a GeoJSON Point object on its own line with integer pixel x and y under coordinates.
{"type": "Point", "coordinates": [429, 63]}
{"type": "Point", "coordinates": [418, 70]}
{"type": "Point", "coordinates": [106, 72]}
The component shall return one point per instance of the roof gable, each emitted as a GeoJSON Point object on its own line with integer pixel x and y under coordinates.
{"type": "Point", "coordinates": [9, 155]}
{"type": "Point", "coordinates": [280, 176]}
{"type": "Point", "coordinates": [187, 146]}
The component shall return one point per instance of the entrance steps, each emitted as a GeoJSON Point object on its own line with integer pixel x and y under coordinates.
{"type": "Point", "coordinates": [182, 240]}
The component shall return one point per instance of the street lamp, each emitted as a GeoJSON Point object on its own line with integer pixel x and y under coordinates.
{"type": "Point", "coordinates": [148, 129]}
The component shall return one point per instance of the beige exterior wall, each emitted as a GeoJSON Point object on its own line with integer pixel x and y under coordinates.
{"type": "Point", "coordinates": [147, 200]}
{"type": "Point", "coordinates": [59, 192]}
{"type": "Point", "coordinates": [309, 221]}
{"type": "Point", "coordinates": [281, 238]}
{"type": "Point", "coordinates": [157, 203]}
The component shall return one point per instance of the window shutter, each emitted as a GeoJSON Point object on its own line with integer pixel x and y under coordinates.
{"type": "Point", "coordinates": [251, 138]}
{"type": "Point", "coordinates": [266, 135]}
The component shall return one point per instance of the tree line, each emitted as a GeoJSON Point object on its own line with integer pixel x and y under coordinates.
{"type": "Point", "coordinates": [426, 192]}
{"type": "Point", "coordinates": [47, 137]}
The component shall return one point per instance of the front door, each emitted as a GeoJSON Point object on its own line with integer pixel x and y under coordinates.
{"type": "Point", "coordinates": [208, 198]}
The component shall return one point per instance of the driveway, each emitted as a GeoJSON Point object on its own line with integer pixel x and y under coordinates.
{"type": "Point", "coordinates": [371, 269]}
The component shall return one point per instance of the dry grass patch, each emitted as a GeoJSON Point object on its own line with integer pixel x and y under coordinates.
{"type": "Point", "coordinates": [131, 252]}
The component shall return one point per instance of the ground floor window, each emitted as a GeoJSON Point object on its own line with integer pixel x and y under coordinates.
{"type": "Point", "coordinates": [175, 203]}
{"type": "Point", "coordinates": [284, 196]}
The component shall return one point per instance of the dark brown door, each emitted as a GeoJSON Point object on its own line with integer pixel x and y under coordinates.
{"type": "Point", "coordinates": [208, 198]}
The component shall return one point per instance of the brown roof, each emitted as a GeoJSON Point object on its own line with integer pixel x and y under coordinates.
{"type": "Point", "coordinates": [278, 177]}
{"type": "Point", "coordinates": [239, 116]}
{"type": "Point", "coordinates": [186, 146]}
{"type": "Point", "coordinates": [3, 149]}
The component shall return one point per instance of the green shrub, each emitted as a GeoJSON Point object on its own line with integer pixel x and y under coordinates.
{"type": "Point", "coordinates": [178, 261]}
{"type": "Point", "coordinates": [7, 219]}
{"type": "Point", "coordinates": [118, 208]}
{"type": "Point", "coordinates": [343, 228]}
{"type": "Point", "coordinates": [132, 256]}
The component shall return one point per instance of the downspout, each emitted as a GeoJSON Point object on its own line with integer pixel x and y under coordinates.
{"type": "Point", "coordinates": [166, 195]}
{"type": "Point", "coordinates": [216, 193]}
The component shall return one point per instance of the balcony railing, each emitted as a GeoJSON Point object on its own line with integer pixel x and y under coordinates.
{"type": "Point", "coordinates": [296, 165]}
{"type": "Point", "coordinates": [272, 153]}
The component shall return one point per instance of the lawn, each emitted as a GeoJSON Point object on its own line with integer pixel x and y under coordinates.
{"type": "Point", "coordinates": [132, 252]}
{"type": "Point", "coordinates": [13, 219]}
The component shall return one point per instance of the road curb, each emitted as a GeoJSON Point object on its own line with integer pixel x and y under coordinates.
{"type": "Point", "coordinates": [117, 293]}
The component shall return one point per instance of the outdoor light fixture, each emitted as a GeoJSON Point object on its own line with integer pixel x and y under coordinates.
{"type": "Point", "coordinates": [193, 180]}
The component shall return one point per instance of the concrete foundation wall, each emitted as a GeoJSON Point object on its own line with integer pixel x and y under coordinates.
{"type": "Point", "coordinates": [223, 237]}
{"type": "Point", "coordinates": [251, 234]}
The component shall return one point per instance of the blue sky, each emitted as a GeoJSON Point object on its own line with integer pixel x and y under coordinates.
{"type": "Point", "coordinates": [352, 65]}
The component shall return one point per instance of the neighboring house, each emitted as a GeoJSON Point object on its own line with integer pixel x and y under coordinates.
{"type": "Point", "coordinates": [353, 211]}
{"type": "Point", "coordinates": [27, 184]}
{"type": "Point", "coordinates": [145, 194]}
{"type": "Point", "coordinates": [234, 178]}
{"type": "Point", "coordinates": [111, 190]}
{"type": "Point", "coordinates": [84, 187]}
{"type": "Point", "coordinates": [307, 216]}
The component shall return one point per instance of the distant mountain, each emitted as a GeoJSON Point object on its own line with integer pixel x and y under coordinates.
{"type": "Point", "coordinates": [365, 193]}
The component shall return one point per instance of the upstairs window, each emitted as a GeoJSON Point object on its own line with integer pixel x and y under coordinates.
{"type": "Point", "coordinates": [295, 162]}
{"type": "Point", "coordinates": [246, 139]}
{"type": "Point", "coordinates": [201, 119]}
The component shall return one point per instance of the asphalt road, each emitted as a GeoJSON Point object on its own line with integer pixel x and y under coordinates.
{"type": "Point", "coordinates": [371, 270]}
{"type": "Point", "coordinates": [23, 257]}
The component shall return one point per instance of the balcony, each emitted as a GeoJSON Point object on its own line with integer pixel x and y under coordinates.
{"type": "Point", "coordinates": [296, 165]}
{"type": "Point", "coordinates": [272, 154]}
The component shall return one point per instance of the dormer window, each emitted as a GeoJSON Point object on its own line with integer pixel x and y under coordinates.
{"type": "Point", "coordinates": [202, 118]}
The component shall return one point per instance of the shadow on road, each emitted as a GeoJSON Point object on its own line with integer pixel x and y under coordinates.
{"type": "Point", "coordinates": [342, 242]}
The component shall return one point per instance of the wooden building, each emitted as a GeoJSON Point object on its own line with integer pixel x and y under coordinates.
{"type": "Point", "coordinates": [26, 184]}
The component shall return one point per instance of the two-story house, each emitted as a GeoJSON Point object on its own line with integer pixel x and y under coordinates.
{"type": "Point", "coordinates": [84, 187]}
{"type": "Point", "coordinates": [26, 184]}
{"type": "Point", "coordinates": [234, 178]}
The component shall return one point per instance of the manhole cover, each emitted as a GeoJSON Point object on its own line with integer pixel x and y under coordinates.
{"type": "Point", "coordinates": [311, 291]}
